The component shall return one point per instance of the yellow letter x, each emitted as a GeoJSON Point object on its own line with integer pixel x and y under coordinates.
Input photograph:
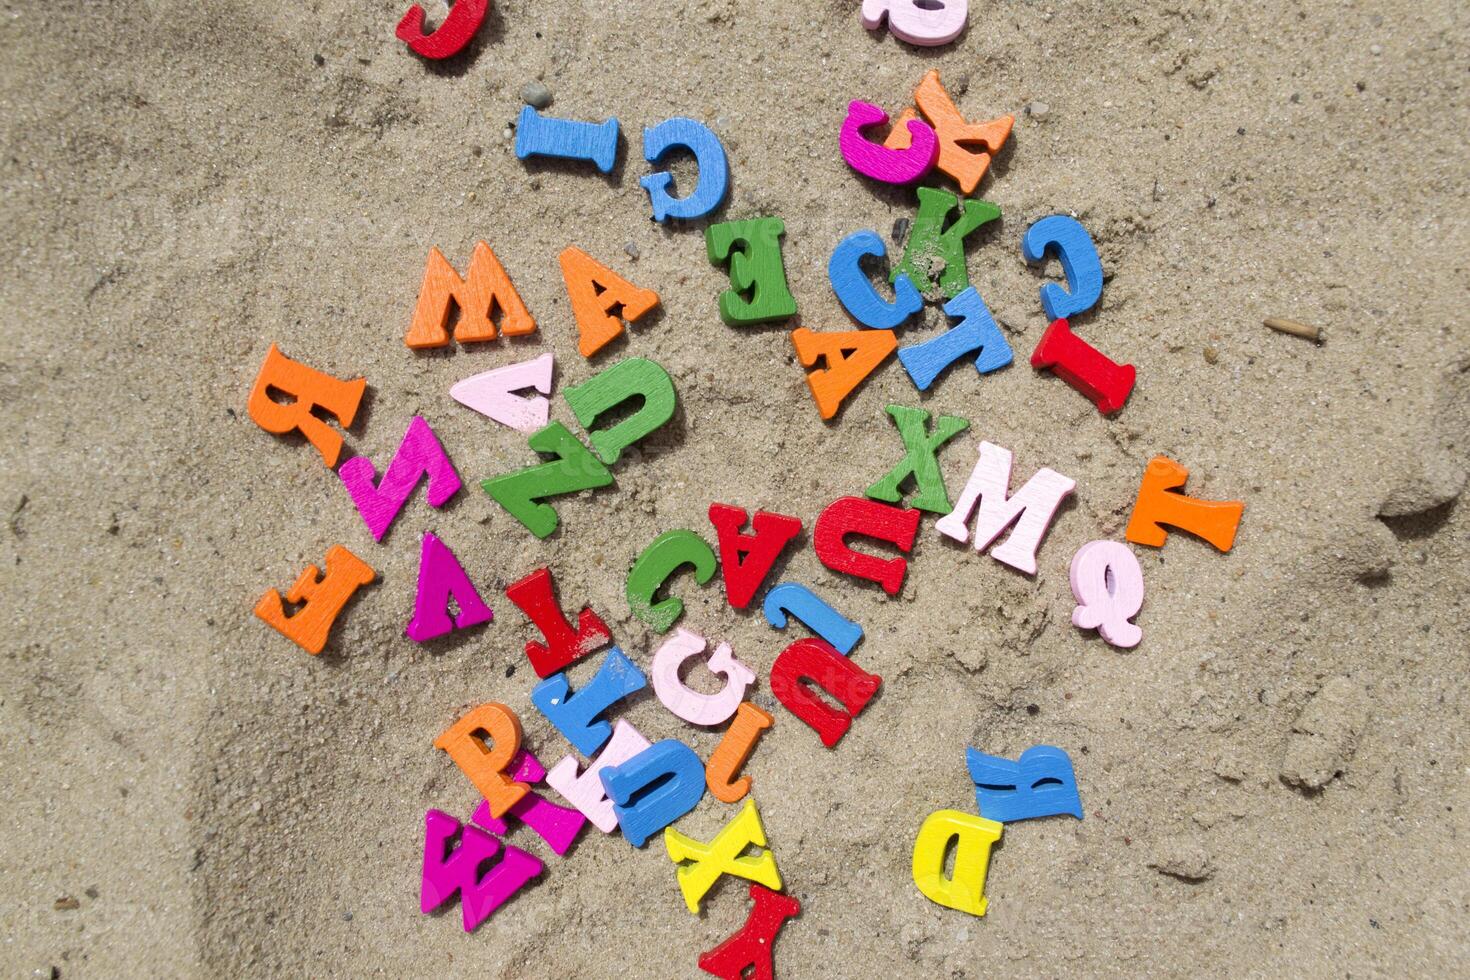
{"type": "Point", "coordinates": [723, 856]}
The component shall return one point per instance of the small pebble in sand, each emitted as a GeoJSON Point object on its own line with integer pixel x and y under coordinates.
{"type": "Point", "coordinates": [1375, 49]}
{"type": "Point", "coordinates": [66, 904]}
{"type": "Point", "coordinates": [1038, 110]}
{"type": "Point", "coordinates": [1211, 355]}
{"type": "Point", "coordinates": [900, 230]}
{"type": "Point", "coordinates": [632, 250]}
{"type": "Point", "coordinates": [536, 95]}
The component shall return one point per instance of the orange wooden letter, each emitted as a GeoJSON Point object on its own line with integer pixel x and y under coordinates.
{"type": "Point", "coordinates": [851, 356]}
{"type": "Point", "coordinates": [484, 288]}
{"type": "Point", "coordinates": [1214, 520]}
{"type": "Point", "coordinates": [734, 748]}
{"type": "Point", "coordinates": [596, 292]}
{"type": "Point", "coordinates": [465, 742]}
{"type": "Point", "coordinates": [311, 389]}
{"type": "Point", "coordinates": [324, 596]}
{"type": "Point", "coordinates": [965, 148]}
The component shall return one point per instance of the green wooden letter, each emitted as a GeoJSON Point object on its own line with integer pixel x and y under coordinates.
{"type": "Point", "coordinates": [668, 553]}
{"type": "Point", "coordinates": [935, 251]}
{"type": "Point", "coordinates": [574, 469]}
{"type": "Point", "coordinates": [757, 274]}
{"type": "Point", "coordinates": [919, 462]}
{"type": "Point", "coordinates": [626, 379]}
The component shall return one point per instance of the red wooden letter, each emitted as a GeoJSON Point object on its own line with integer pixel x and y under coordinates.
{"type": "Point", "coordinates": [459, 26]}
{"type": "Point", "coordinates": [754, 945]}
{"type": "Point", "coordinates": [817, 661]}
{"type": "Point", "coordinates": [871, 519]}
{"type": "Point", "coordinates": [535, 597]}
{"type": "Point", "coordinates": [772, 532]}
{"type": "Point", "coordinates": [1084, 367]}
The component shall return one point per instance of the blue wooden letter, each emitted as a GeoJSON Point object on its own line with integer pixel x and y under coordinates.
{"type": "Point", "coordinates": [679, 774]}
{"type": "Point", "coordinates": [975, 331]}
{"type": "Point", "coordinates": [1080, 265]}
{"type": "Point", "coordinates": [857, 293]}
{"type": "Point", "coordinates": [1041, 784]}
{"type": "Point", "coordinates": [709, 154]}
{"type": "Point", "coordinates": [820, 618]}
{"type": "Point", "coordinates": [577, 716]}
{"type": "Point", "coordinates": [538, 135]}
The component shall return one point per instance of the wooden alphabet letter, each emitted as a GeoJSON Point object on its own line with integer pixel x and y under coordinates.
{"type": "Point", "coordinates": [451, 869]}
{"type": "Point", "coordinates": [1214, 520]}
{"type": "Point", "coordinates": [573, 469]}
{"type": "Point", "coordinates": [420, 454]}
{"type": "Point", "coordinates": [636, 377]}
{"type": "Point", "coordinates": [701, 865]}
{"type": "Point", "coordinates": [1030, 510]}
{"type": "Point", "coordinates": [749, 953]}
{"type": "Point", "coordinates": [535, 595]}
{"type": "Point", "coordinates": [465, 741]}
{"type": "Point", "coordinates": [746, 559]}
{"type": "Point", "coordinates": [668, 553]}
{"type": "Point", "coordinates": [879, 162]}
{"type": "Point", "coordinates": [919, 463]}
{"type": "Point", "coordinates": [684, 701]}
{"type": "Point", "coordinates": [595, 292]}
{"type": "Point", "coordinates": [816, 662]}
{"type": "Point", "coordinates": [758, 291]}
{"type": "Point", "coordinates": [441, 577]}
{"type": "Point", "coordinates": [477, 296]}
{"type": "Point", "coordinates": [730, 755]}
{"type": "Point", "coordinates": [975, 835]}
{"type": "Point", "coordinates": [870, 519]}
{"type": "Point", "coordinates": [310, 389]}
{"type": "Point", "coordinates": [454, 33]}
{"type": "Point", "coordinates": [850, 356]}
{"type": "Point", "coordinates": [324, 596]}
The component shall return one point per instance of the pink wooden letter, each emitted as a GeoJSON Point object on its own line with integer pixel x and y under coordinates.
{"type": "Point", "coordinates": [418, 454]}
{"type": "Point", "coordinates": [557, 825]}
{"type": "Point", "coordinates": [493, 393]}
{"type": "Point", "coordinates": [878, 162]}
{"type": "Point", "coordinates": [926, 22]}
{"type": "Point", "coordinates": [1108, 586]}
{"type": "Point", "coordinates": [690, 705]}
{"type": "Point", "coordinates": [1031, 509]}
{"type": "Point", "coordinates": [585, 791]}
{"type": "Point", "coordinates": [446, 873]}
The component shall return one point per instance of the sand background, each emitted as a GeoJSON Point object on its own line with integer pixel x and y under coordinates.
{"type": "Point", "coordinates": [1275, 780]}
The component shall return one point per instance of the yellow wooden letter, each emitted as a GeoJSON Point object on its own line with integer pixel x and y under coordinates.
{"type": "Point", "coordinates": [722, 856]}
{"type": "Point", "coordinates": [966, 890]}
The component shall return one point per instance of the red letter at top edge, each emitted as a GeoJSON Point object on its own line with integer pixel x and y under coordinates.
{"type": "Point", "coordinates": [771, 533]}
{"type": "Point", "coordinates": [755, 943]}
{"type": "Point", "coordinates": [536, 598]}
{"type": "Point", "coordinates": [454, 33]}
{"type": "Point", "coordinates": [1107, 383]}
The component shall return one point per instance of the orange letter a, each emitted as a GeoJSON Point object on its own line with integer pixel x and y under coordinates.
{"type": "Point", "coordinates": [595, 291]}
{"type": "Point", "coordinates": [484, 288]}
